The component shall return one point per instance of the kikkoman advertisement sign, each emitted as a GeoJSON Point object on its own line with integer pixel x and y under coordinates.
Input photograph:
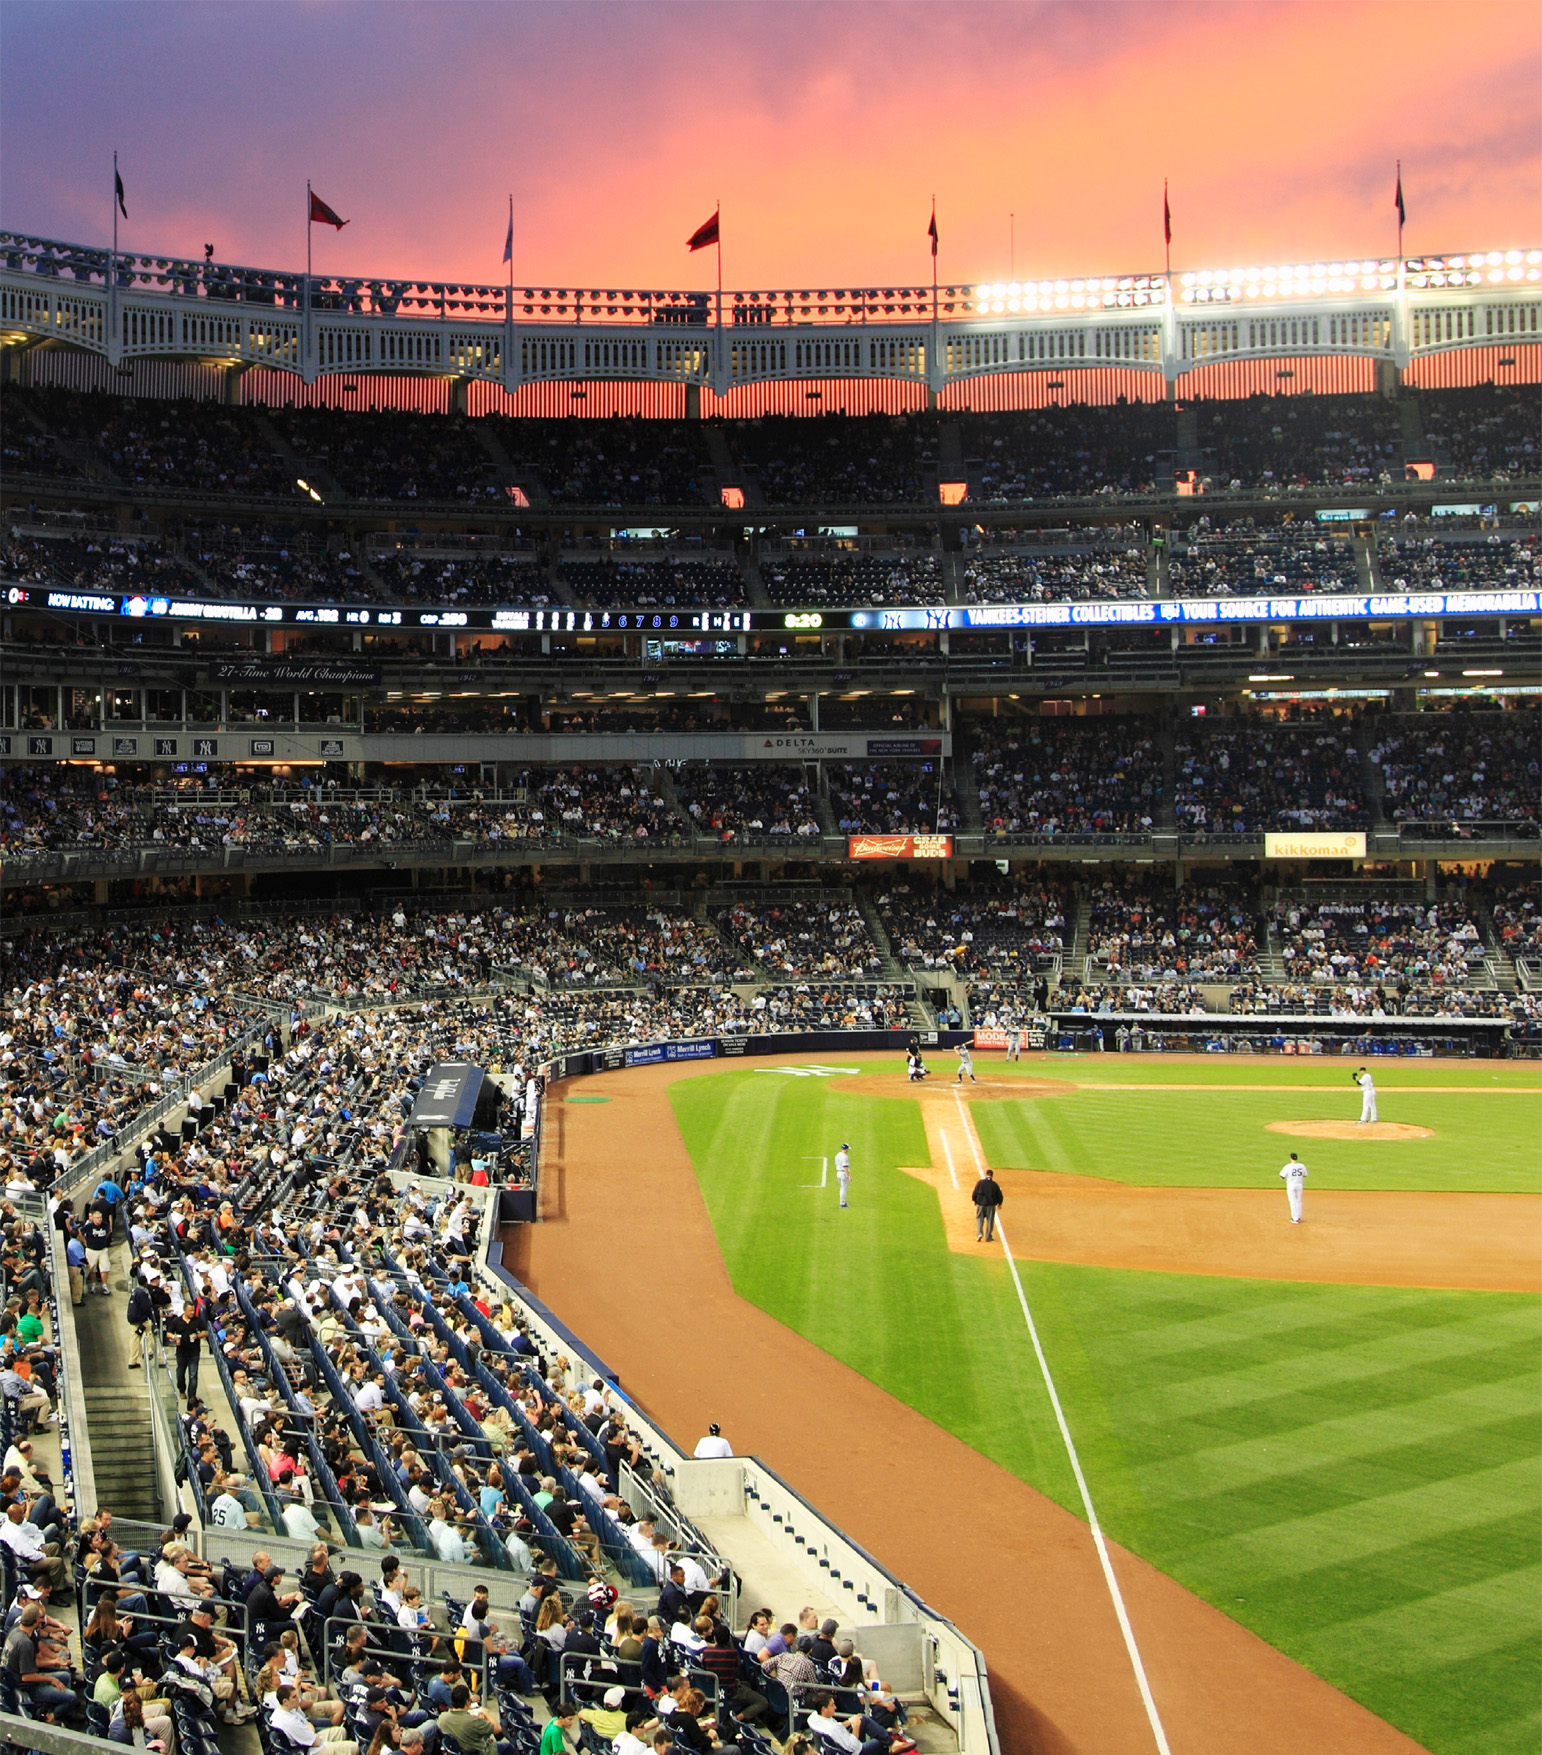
{"type": "Point", "coordinates": [1346, 844]}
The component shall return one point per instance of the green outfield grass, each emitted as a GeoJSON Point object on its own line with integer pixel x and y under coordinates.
{"type": "Point", "coordinates": [1483, 1139]}
{"type": "Point", "coordinates": [1352, 1472]}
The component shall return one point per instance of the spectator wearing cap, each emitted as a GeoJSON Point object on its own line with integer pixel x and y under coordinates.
{"type": "Point", "coordinates": [609, 1719]}
{"type": "Point", "coordinates": [714, 1445]}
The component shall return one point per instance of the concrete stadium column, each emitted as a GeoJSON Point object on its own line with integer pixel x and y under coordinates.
{"type": "Point", "coordinates": [230, 384]}
{"type": "Point", "coordinates": [1389, 380]}
{"type": "Point", "coordinates": [813, 710]}
{"type": "Point", "coordinates": [99, 891]}
{"type": "Point", "coordinates": [693, 402]}
{"type": "Point", "coordinates": [458, 395]}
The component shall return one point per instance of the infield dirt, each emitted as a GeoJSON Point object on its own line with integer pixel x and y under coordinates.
{"type": "Point", "coordinates": [629, 1259]}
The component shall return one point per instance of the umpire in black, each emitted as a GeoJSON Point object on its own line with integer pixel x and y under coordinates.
{"type": "Point", "coordinates": [987, 1197]}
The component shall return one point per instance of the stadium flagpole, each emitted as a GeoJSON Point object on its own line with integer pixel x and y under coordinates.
{"type": "Point", "coordinates": [722, 354]}
{"type": "Point", "coordinates": [307, 307]}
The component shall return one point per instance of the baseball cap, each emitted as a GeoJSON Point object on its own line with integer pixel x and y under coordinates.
{"type": "Point", "coordinates": [614, 1697]}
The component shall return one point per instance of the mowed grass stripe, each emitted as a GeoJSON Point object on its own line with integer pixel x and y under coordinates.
{"type": "Point", "coordinates": [1471, 1635]}
{"type": "Point", "coordinates": [1312, 1459]}
{"type": "Point", "coordinates": [1484, 1142]}
{"type": "Point", "coordinates": [1410, 1429]}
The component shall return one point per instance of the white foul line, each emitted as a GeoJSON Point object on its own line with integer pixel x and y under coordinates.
{"type": "Point", "coordinates": [1076, 1467]}
{"type": "Point", "coordinates": [947, 1152]}
{"type": "Point", "coordinates": [824, 1173]}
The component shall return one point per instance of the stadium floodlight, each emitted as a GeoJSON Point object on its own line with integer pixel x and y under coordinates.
{"type": "Point", "coordinates": [1482, 673]}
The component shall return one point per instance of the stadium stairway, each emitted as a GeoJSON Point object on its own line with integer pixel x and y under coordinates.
{"type": "Point", "coordinates": [966, 784]}
{"type": "Point", "coordinates": [310, 469]}
{"type": "Point", "coordinates": [1372, 783]}
{"type": "Point", "coordinates": [1167, 807]}
{"type": "Point", "coordinates": [1410, 420]}
{"type": "Point", "coordinates": [117, 1403]}
{"type": "Point", "coordinates": [1367, 575]}
{"type": "Point", "coordinates": [1074, 968]}
{"type": "Point", "coordinates": [755, 591]}
{"type": "Point", "coordinates": [893, 969]}
{"type": "Point", "coordinates": [508, 472]}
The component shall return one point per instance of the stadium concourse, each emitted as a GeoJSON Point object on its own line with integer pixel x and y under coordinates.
{"type": "Point", "coordinates": [354, 763]}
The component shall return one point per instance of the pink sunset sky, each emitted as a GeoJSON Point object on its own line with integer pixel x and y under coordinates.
{"type": "Point", "coordinates": [824, 129]}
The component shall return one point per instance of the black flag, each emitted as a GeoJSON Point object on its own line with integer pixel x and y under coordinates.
{"type": "Point", "coordinates": [931, 232]}
{"type": "Point", "coordinates": [1397, 200]}
{"type": "Point", "coordinates": [117, 189]}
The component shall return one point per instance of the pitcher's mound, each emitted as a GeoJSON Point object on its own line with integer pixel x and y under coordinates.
{"type": "Point", "coordinates": [1352, 1130]}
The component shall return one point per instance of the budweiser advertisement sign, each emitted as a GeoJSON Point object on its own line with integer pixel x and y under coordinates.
{"type": "Point", "coordinates": [899, 847]}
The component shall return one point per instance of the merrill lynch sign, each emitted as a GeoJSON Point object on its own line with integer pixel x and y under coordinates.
{"type": "Point", "coordinates": [1347, 844]}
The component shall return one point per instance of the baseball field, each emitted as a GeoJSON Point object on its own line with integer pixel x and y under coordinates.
{"type": "Point", "coordinates": [1327, 1432]}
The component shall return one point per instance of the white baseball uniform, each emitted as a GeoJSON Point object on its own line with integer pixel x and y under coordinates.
{"type": "Point", "coordinates": [843, 1174]}
{"type": "Point", "coordinates": [1367, 1096]}
{"type": "Point", "coordinates": [1295, 1183]}
{"type": "Point", "coordinates": [965, 1064]}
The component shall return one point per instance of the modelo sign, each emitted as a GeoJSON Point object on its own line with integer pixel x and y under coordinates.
{"type": "Point", "coordinates": [899, 847]}
{"type": "Point", "coordinates": [1348, 844]}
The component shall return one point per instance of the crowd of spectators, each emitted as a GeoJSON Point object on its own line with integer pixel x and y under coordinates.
{"type": "Point", "coordinates": [1077, 450]}
{"type": "Point", "coordinates": [97, 562]}
{"type": "Point", "coordinates": [1377, 940]}
{"type": "Point", "coordinates": [1006, 933]}
{"type": "Point", "coordinates": [683, 582]}
{"type": "Point", "coordinates": [803, 939]}
{"type": "Point", "coordinates": [637, 946]}
{"type": "Point", "coordinates": [1516, 911]}
{"type": "Point", "coordinates": [1239, 558]}
{"type": "Point", "coordinates": [1486, 431]}
{"type": "Point", "coordinates": [1426, 563]}
{"type": "Point", "coordinates": [843, 459]}
{"type": "Point", "coordinates": [181, 446]}
{"type": "Point", "coordinates": [623, 461]}
{"type": "Point", "coordinates": [605, 804]}
{"type": "Point", "coordinates": [891, 798]}
{"type": "Point", "coordinates": [1034, 576]}
{"type": "Point", "coordinates": [749, 804]}
{"type": "Point", "coordinates": [1451, 769]}
{"type": "Point", "coordinates": [1066, 777]}
{"type": "Point", "coordinates": [1145, 931]}
{"type": "Point", "coordinates": [1246, 779]}
{"type": "Point", "coordinates": [1303, 441]}
{"type": "Point", "coordinates": [406, 576]}
{"type": "Point", "coordinates": [391, 454]}
{"type": "Point", "coordinates": [851, 580]}
{"type": "Point", "coordinates": [1280, 998]}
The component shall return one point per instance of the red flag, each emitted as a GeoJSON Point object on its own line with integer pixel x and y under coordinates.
{"type": "Point", "coordinates": [705, 235]}
{"type": "Point", "coordinates": [321, 214]}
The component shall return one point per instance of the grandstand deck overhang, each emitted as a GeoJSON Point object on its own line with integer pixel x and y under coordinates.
{"type": "Point", "coordinates": [129, 306]}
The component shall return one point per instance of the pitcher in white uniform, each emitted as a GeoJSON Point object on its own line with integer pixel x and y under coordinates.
{"type": "Point", "coordinates": [1367, 1096]}
{"type": "Point", "coordinates": [1295, 1184]}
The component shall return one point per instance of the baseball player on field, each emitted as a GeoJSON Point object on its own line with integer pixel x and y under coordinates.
{"type": "Point", "coordinates": [1295, 1185]}
{"type": "Point", "coordinates": [1367, 1096]}
{"type": "Point", "coordinates": [965, 1065]}
{"type": "Point", "coordinates": [843, 1171]}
